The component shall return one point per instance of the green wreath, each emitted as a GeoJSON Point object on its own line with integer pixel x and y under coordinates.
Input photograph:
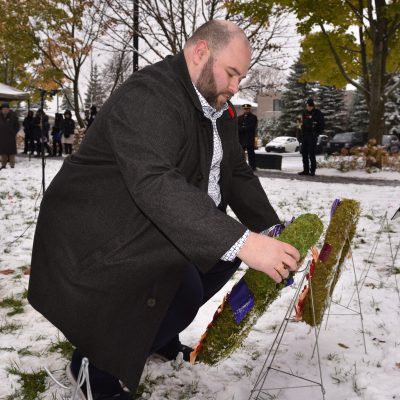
{"type": "Point", "coordinates": [224, 334]}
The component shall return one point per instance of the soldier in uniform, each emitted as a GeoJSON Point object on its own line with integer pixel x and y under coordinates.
{"type": "Point", "coordinates": [247, 123]}
{"type": "Point", "coordinates": [312, 126]}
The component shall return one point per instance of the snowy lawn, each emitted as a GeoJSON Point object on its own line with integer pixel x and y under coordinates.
{"type": "Point", "coordinates": [28, 343]}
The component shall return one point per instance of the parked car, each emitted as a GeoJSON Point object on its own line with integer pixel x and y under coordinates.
{"type": "Point", "coordinates": [322, 142]}
{"type": "Point", "coordinates": [391, 143]}
{"type": "Point", "coordinates": [282, 144]}
{"type": "Point", "coordinates": [345, 140]}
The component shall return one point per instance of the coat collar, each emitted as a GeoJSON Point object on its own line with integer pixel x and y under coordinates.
{"type": "Point", "coordinates": [179, 65]}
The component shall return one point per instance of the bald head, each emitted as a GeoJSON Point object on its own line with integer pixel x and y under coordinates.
{"type": "Point", "coordinates": [218, 57]}
{"type": "Point", "coordinates": [218, 34]}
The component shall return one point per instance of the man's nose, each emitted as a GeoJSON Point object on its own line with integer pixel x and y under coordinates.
{"type": "Point", "coordinates": [234, 85]}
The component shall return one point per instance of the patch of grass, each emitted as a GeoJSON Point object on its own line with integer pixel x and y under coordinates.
{"type": "Point", "coordinates": [62, 346]}
{"type": "Point", "coordinates": [9, 327]}
{"type": "Point", "coordinates": [16, 305]}
{"type": "Point", "coordinates": [24, 294]}
{"type": "Point", "coordinates": [333, 357]}
{"type": "Point", "coordinates": [32, 384]}
{"type": "Point", "coordinates": [24, 268]}
{"type": "Point", "coordinates": [299, 355]}
{"type": "Point", "coordinates": [146, 386]}
{"type": "Point", "coordinates": [282, 203]}
{"type": "Point", "coordinates": [25, 351]}
{"type": "Point", "coordinates": [8, 349]}
{"type": "Point", "coordinates": [18, 194]}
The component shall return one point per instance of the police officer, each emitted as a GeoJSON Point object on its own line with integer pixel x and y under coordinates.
{"type": "Point", "coordinates": [247, 131]}
{"type": "Point", "coordinates": [312, 126]}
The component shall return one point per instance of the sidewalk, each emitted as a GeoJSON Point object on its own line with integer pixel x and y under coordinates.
{"type": "Point", "coordinates": [292, 164]}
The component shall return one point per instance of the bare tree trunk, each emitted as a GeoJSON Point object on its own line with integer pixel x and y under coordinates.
{"type": "Point", "coordinates": [378, 80]}
{"type": "Point", "coordinates": [75, 90]}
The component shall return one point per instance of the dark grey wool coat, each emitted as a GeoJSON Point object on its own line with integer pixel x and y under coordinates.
{"type": "Point", "coordinates": [9, 127]}
{"type": "Point", "coordinates": [128, 212]}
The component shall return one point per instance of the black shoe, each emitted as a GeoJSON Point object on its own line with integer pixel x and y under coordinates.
{"type": "Point", "coordinates": [103, 385]}
{"type": "Point", "coordinates": [169, 354]}
{"type": "Point", "coordinates": [312, 173]}
{"type": "Point", "coordinates": [303, 173]}
{"type": "Point", "coordinates": [3, 167]}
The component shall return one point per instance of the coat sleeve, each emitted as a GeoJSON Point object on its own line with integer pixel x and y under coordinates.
{"type": "Point", "coordinates": [321, 122]}
{"type": "Point", "coordinates": [247, 197]}
{"type": "Point", "coordinates": [147, 145]}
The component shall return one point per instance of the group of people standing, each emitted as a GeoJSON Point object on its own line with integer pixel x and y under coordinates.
{"type": "Point", "coordinates": [37, 133]}
{"type": "Point", "coordinates": [309, 126]}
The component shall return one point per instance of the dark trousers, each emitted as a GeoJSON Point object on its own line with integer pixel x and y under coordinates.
{"type": "Point", "coordinates": [67, 148]}
{"type": "Point", "coordinates": [249, 146]}
{"type": "Point", "coordinates": [308, 151]}
{"type": "Point", "coordinates": [45, 147]}
{"type": "Point", "coordinates": [29, 144]}
{"type": "Point", "coordinates": [57, 148]}
{"type": "Point", "coordinates": [195, 289]}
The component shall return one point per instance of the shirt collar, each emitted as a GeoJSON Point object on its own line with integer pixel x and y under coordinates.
{"type": "Point", "coordinates": [209, 111]}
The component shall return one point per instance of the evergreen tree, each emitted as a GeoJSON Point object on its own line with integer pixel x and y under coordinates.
{"type": "Point", "coordinates": [359, 114]}
{"type": "Point", "coordinates": [95, 92]}
{"type": "Point", "coordinates": [67, 102]}
{"type": "Point", "coordinates": [392, 110]}
{"type": "Point", "coordinates": [267, 128]}
{"type": "Point", "coordinates": [116, 70]}
{"type": "Point", "coordinates": [331, 102]}
{"type": "Point", "coordinates": [293, 99]}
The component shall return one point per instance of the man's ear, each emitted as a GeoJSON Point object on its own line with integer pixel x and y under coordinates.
{"type": "Point", "coordinates": [201, 52]}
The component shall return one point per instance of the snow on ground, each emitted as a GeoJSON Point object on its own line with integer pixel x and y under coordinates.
{"type": "Point", "coordinates": [291, 163]}
{"type": "Point", "coordinates": [348, 373]}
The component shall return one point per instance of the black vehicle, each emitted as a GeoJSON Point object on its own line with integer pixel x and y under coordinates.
{"type": "Point", "coordinates": [322, 142]}
{"type": "Point", "coordinates": [391, 143]}
{"type": "Point", "coordinates": [345, 140]}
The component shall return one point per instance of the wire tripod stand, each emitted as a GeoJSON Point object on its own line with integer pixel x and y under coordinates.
{"type": "Point", "coordinates": [260, 390]}
{"type": "Point", "coordinates": [394, 251]}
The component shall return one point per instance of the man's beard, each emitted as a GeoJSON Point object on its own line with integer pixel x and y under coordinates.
{"type": "Point", "coordinates": [207, 86]}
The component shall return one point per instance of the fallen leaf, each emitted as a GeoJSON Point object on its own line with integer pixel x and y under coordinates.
{"type": "Point", "coordinates": [7, 271]}
{"type": "Point", "coordinates": [343, 345]}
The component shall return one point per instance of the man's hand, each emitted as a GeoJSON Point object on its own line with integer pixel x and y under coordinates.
{"type": "Point", "coordinates": [268, 255]}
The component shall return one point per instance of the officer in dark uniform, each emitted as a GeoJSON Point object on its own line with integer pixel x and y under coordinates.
{"type": "Point", "coordinates": [247, 131]}
{"type": "Point", "coordinates": [312, 126]}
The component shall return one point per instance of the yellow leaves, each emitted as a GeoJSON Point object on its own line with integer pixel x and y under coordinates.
{"type": "Point", "coordinates": [321, 63]}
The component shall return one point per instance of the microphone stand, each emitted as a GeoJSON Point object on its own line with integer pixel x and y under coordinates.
{"type": "Point", "coordinates": [42, 96]}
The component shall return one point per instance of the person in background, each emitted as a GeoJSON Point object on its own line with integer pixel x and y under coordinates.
{"type": "Point", "coordinates": [247, 124]}
{"type": "Point", "coordinates": [41, 132]}
{"type": "Point", "coordinates": [68, 132]}
{"type": "Point", "coordinates": [29, 130]}
{"type": "Point", "coordinates": [312, 126]}
{"type": "Point", "coordinates": [92, 116]}
{"type": "Point", "coordinates": [143, 239]}
{"type": "Point", "coordinates": [9, 127]}
{"type": "Point", "coordinates": [56, 134]}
